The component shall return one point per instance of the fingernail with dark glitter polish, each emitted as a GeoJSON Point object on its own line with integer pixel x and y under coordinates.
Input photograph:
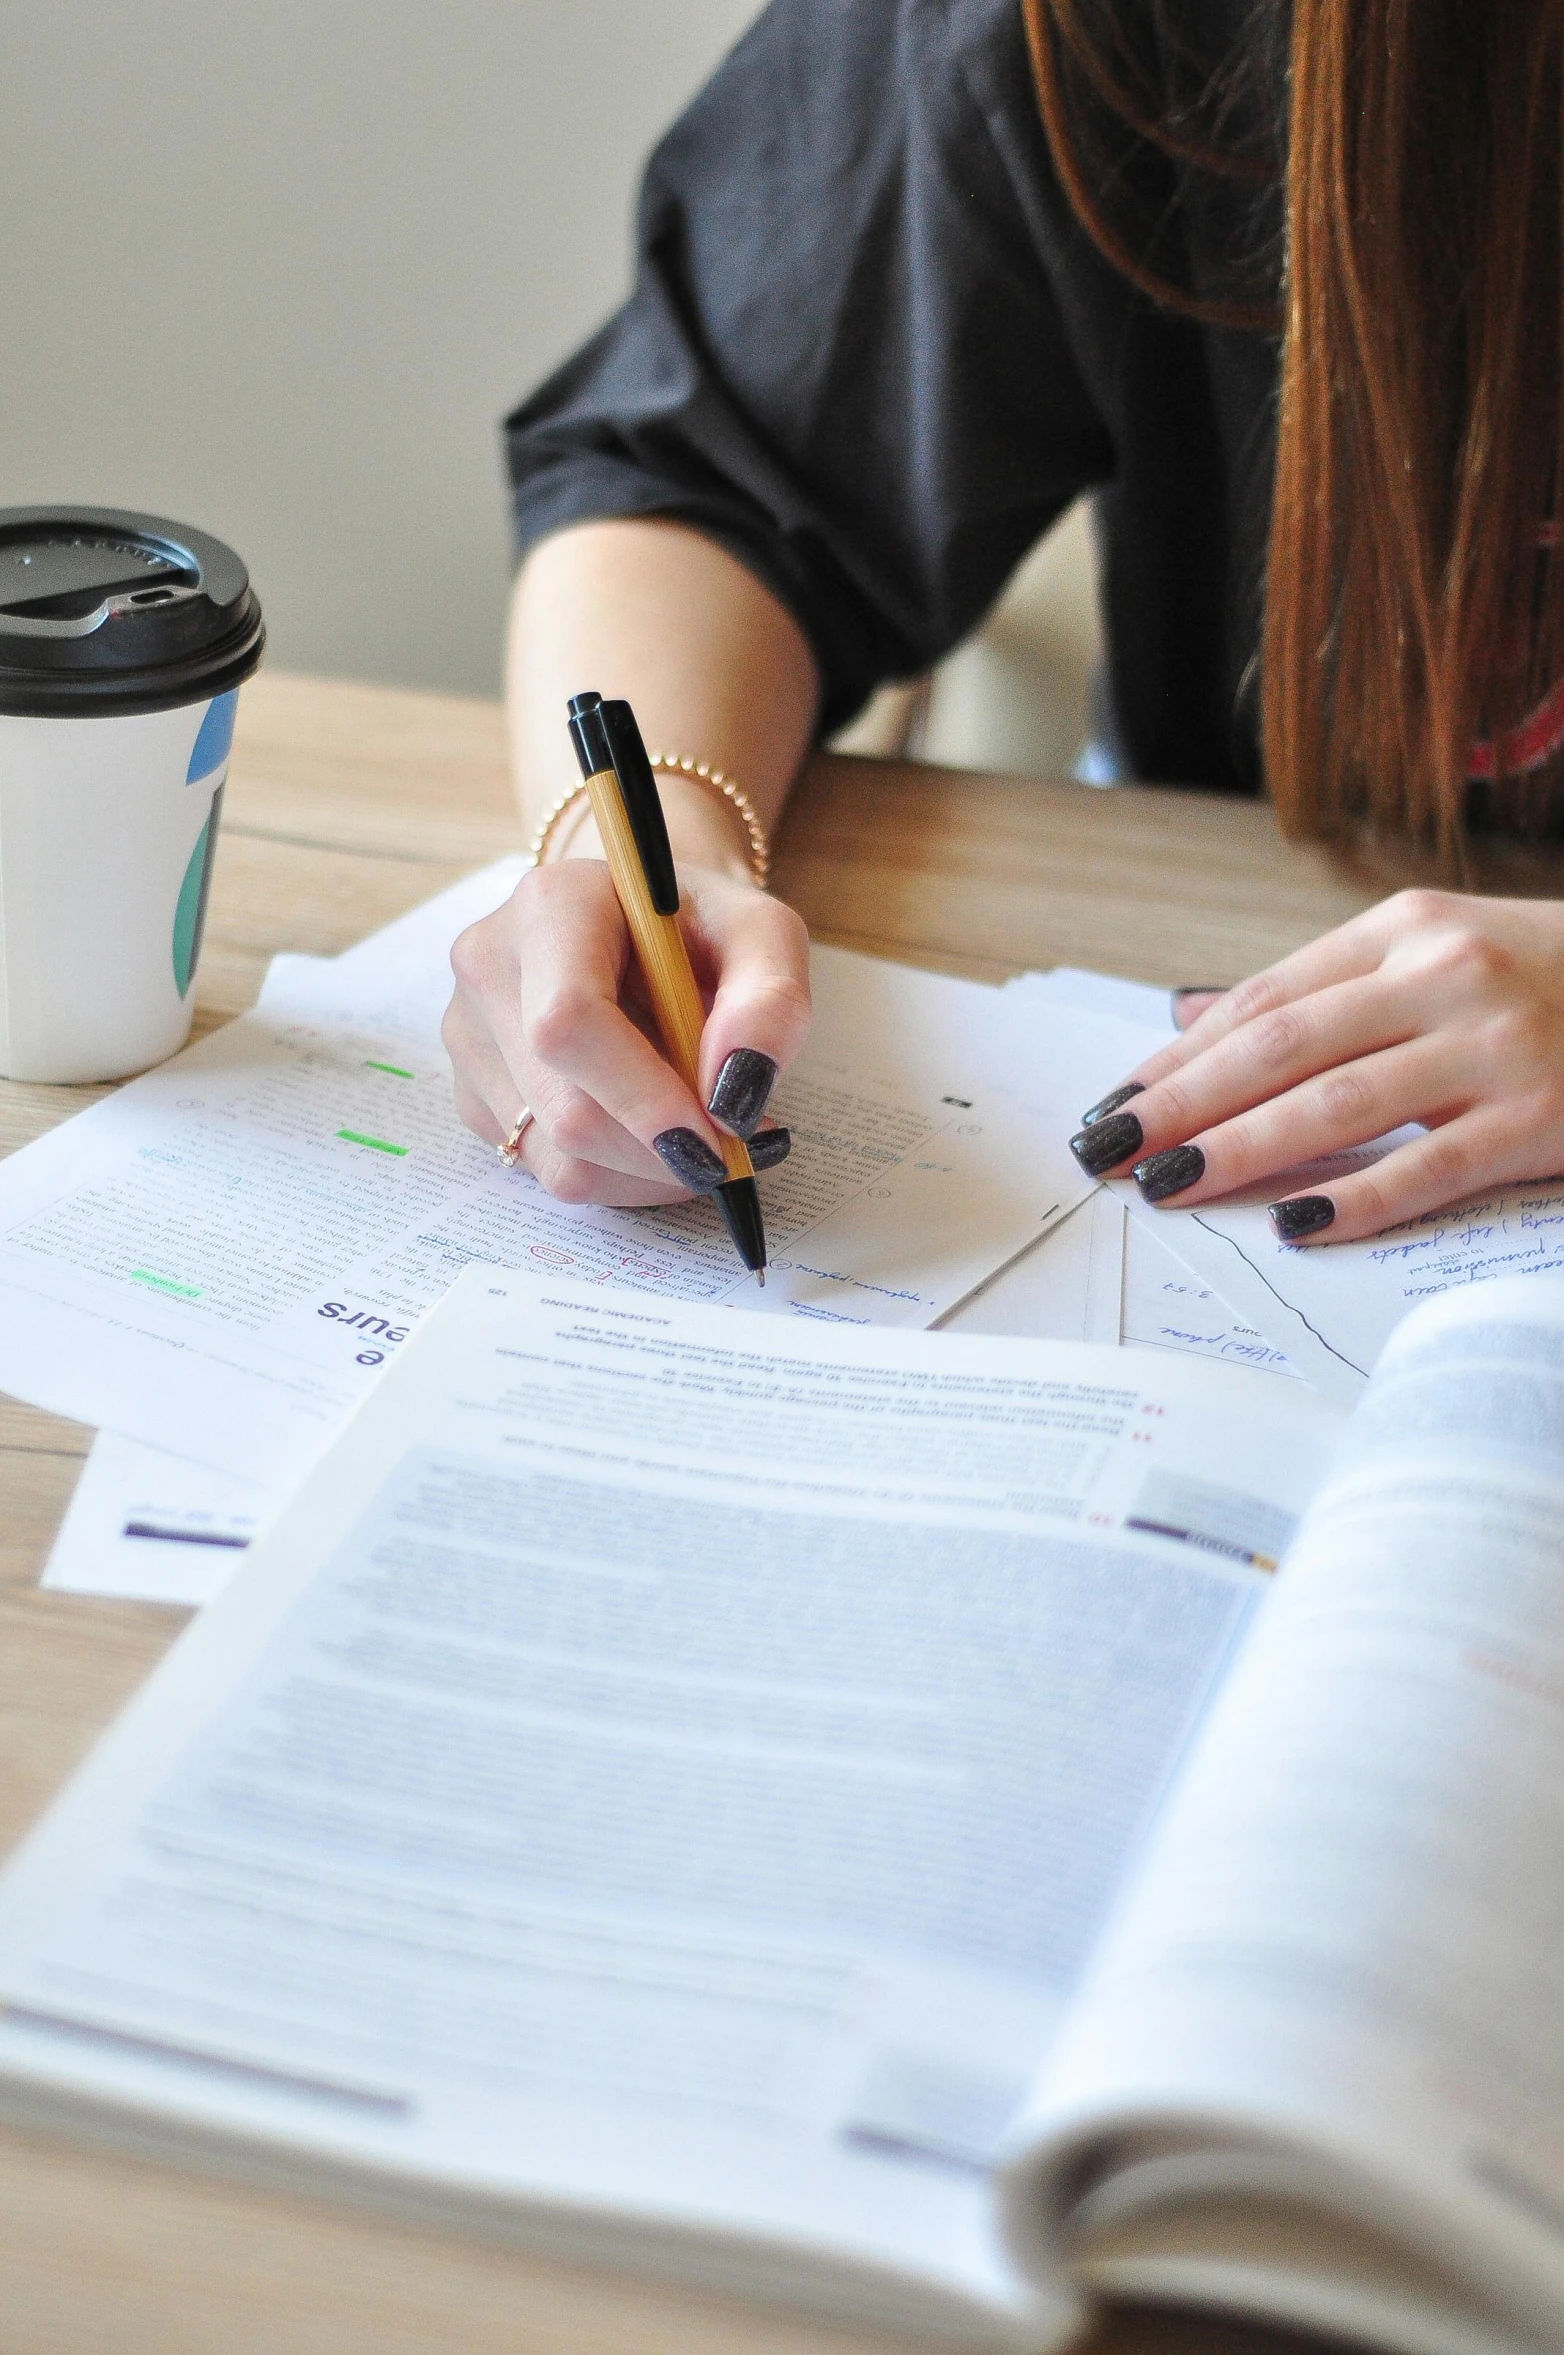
{"type": "Point", "coordinates": [1305, 1214]}
{"type": "Point", "coordinates": [743, 1090]}
{"type": "Point", "coordinates": [1108, 1142]}
{"type": "Point", "coordinates": [1169, 1173]}
{"type": "Point", "coordinates": [770, 1146]}
{"type": "Point", "coordinates": [1112, 1101]}
{"type": "Point", "coordinates": [690, 1159]}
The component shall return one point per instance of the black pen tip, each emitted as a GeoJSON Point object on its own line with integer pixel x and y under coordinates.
{"type": "Point", "coordinates": [739, 1202]}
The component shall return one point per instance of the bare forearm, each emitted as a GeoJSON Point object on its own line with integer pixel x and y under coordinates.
{"type": "Point", "coordinates": [713, 664]}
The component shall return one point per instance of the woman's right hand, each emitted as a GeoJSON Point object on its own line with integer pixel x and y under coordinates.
{"type": "Point", "coordinates": [549, 1016]}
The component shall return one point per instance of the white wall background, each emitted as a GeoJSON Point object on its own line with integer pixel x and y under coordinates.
{"type": "Point", "coordinates": [278, 267]}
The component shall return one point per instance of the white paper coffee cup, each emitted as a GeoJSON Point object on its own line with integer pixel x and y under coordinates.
{"type": "Point", "coordinates": [123, 640]}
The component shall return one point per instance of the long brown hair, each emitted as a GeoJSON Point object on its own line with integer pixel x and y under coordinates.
{"type": "Point", "coordinates": [1414, 593]}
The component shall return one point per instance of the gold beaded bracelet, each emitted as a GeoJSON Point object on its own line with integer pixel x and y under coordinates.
{"type": "Point", "coordinates": [674, 765]}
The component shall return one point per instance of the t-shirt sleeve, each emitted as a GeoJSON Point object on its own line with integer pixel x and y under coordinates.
{"type": "Point", "coordinates": [842, 358]}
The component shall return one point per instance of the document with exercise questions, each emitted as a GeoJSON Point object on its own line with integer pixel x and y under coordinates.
{"type": "Point", "coordinates": [218, 1260]}
{"type": "Point", "coordinates": [665, 1770]}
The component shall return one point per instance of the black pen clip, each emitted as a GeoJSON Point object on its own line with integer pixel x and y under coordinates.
{"type": "Point", "coordinates": [606, 737]}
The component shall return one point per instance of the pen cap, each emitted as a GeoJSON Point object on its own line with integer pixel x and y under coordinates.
{"type": "Point", "coordinates": [587, 733]}
{"type": "Point", "coordinates": [606, 736]}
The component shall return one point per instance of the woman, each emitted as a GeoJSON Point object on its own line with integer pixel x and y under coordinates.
{"type": "Point", "coordinates": [1283, 290]}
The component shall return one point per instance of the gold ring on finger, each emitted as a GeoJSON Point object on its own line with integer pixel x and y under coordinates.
{"type": "Point", "coordinates": [510, 1151]}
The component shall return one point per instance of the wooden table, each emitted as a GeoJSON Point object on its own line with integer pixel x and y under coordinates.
{"type": "Point", "coordinates": [345, 806]}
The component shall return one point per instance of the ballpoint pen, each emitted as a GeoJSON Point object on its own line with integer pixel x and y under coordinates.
{"type": "Point", "coordinates": [634, 833]}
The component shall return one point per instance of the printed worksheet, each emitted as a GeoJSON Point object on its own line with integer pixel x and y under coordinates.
{"type": "Point", "coordinates": [239, 1241]}
{"type": "Point", "coordinates": [158, 1528]}
{"type": "Point", "coordinates": [218, 1259]}
{"type": "Point", "coordinates": [1324, 1312]}
{"type": "Point", "coordinates": [1332, 1307]}
{"type": "Point", "coordinates": [1167, 1306]}
{"type": "Point", "coordinates": [152, 1522]}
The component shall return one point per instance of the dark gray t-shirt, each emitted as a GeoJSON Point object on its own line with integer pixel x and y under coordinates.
{"type": "Point", "coordinates": [871, 352]}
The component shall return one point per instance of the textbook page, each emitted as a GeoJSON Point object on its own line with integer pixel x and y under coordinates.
{"type": "Point", "coordinates": [217, 1259]}
{"type": "Point", "coordinates": [668, 1770]}
{"type": "Point", "coordinates": [1346, 1947]}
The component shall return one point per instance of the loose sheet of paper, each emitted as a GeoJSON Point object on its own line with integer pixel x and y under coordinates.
{"type": "Point", "coordinates": [1332, 1308]}
{"type": "Point", "coordinates": [218, 1258]}
{"type": "Point", "coordinates": [153, 1254]}
{"type": "Point", "coordinates": [146, 1524]}
{"type": "Point", "coordinates": [414, 944]}
{"type": "Point", "coordinates": [152, 1527]}
{"type": "Point", "coordinates": [1066, 1288]}
{"type": "Point", "coordinates": [1167, 1306]}
{"type": "Point", "coordinates": [1103, 993]}
{"type": "Point", "coordinates": [1323, 1313]}
{"type": "Point", "coordinates": [149, 1526]}
{"type": "Point", "coordinates": [663, 1763]}
{"type": "Point", "coordinates": [401, 973]}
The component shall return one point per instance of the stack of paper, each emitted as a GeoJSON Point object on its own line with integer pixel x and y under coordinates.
{"type": "Point", "coordinates": [213, 1264]}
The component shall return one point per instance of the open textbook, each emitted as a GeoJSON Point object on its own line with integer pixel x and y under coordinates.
{"type": "Point", "coordinates": [854, 1817]}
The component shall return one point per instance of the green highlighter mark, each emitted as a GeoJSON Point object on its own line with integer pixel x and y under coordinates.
{"type": "Point", "coordinates": [144, 1275]}
{"type": "Point", "coordinates": [350, 1136]}
{"type": "Point", "coordinates": [395, 1069]}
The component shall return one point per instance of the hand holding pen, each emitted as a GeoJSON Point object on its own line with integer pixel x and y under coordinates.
{"type": "Point", "coordinates": [630, 825]}
{"type": "Point", "coordinates": [545, 1017]}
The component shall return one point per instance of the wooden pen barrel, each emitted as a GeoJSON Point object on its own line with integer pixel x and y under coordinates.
{"type": "Point", "coordinates": [665, 961]}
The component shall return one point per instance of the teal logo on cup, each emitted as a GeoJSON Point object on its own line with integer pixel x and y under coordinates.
{"type": "Point", "coordinates": [213, 741]}
{"type": "Point", "coordinates": [124, 640]}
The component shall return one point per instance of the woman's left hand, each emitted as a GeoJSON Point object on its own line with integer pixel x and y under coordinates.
{"type": "Point", "coordinates": [1431, 1007]}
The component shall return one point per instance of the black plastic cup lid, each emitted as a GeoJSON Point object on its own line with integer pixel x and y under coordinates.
{"type": "Point", "coordinates": [103, 612]}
